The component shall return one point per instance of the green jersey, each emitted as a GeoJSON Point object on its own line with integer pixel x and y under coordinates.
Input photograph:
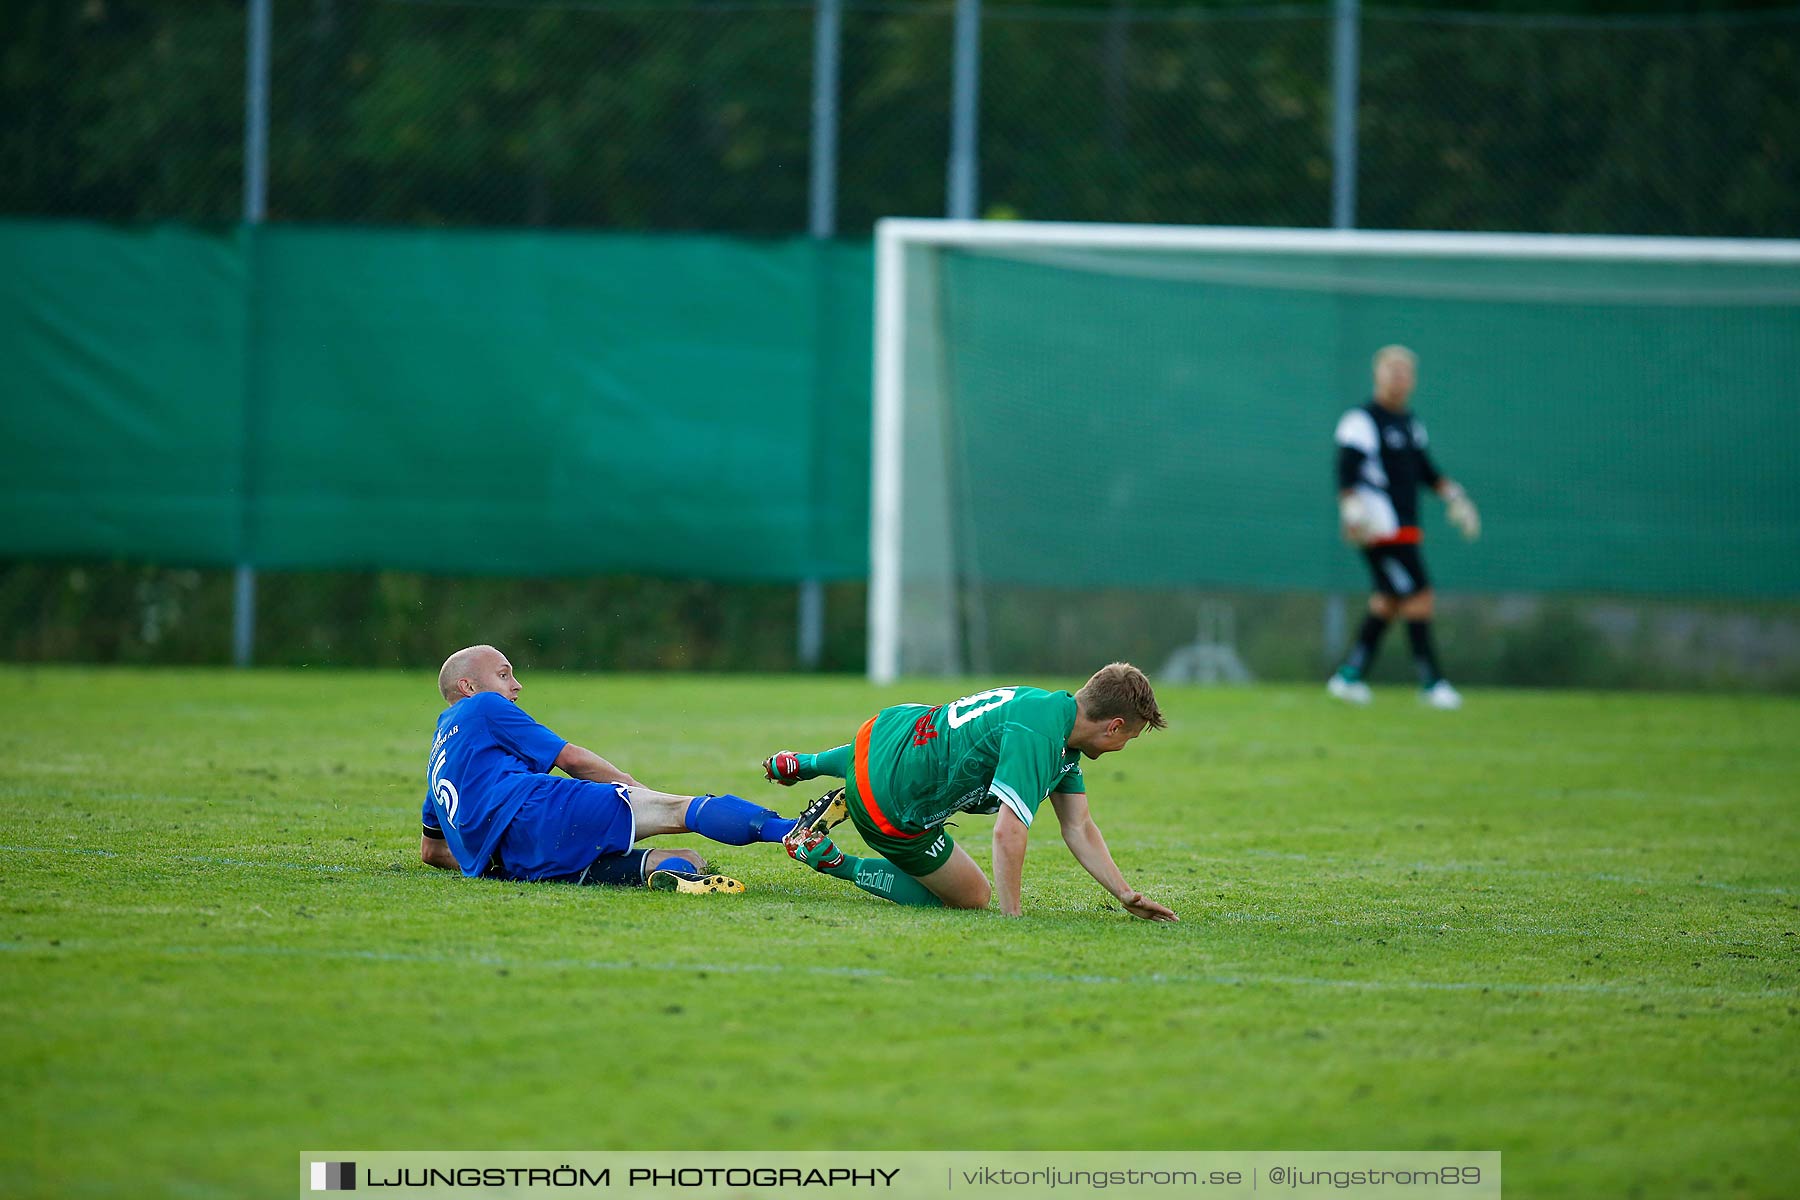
{"type": "Point", "coordinates": [1007, 745]}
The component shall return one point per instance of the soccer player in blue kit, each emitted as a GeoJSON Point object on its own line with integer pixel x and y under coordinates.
{"type": "Point", "coordinates": [493, 808]}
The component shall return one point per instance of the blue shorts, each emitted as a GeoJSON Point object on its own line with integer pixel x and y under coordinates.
{"type": "Point", "coordinates": [562, 828]}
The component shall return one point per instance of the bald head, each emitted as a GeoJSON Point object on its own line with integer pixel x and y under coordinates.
{"type": "Point", "coordinates": [476, 669]}
{"type": "Point", "coordinates": [1396, 371]}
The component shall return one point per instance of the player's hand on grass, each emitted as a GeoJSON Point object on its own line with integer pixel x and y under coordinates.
{"type": "Point", "coordinates": [1140, 905]}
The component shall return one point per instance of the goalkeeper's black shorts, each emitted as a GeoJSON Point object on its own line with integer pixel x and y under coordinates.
{"type": "Point", "coordinates": [1398, 570]}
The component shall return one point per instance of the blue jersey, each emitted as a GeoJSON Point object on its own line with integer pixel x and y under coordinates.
{"type": "Point", "coordinates": [487, 759]}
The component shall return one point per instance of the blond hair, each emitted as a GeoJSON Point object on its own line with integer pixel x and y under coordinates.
{"type": "Point", "coordinates": [1120, 690]}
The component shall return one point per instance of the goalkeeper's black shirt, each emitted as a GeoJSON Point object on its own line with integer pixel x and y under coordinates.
{"type": "Point", "coordinates": [1386, 452]}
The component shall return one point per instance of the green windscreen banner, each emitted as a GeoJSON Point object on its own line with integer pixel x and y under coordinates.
{"type": "Point", "coordinates": [121, 403]}
{"type": "Point", "coordinates": [527, 403]}
{"type": "Point", "coordinates": [561, 403]}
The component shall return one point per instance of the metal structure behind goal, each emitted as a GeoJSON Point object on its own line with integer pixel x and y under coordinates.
{"type": "Point", "coordinates": [1212, 656]}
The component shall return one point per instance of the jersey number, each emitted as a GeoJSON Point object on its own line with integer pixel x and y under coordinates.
{"type": "Point", "coordinates": [963, 711]}
{"type": "Point", "coordinates": [443, 789]}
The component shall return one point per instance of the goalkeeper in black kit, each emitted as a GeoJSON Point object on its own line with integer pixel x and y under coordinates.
{"type": "Point", "coordinates": [1381, 462]}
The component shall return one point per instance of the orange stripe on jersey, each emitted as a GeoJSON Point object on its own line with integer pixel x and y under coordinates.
{"type": "Point", "coordinates": [870, 804]}
{"type": "Point", "coordinates": [1406, 535]}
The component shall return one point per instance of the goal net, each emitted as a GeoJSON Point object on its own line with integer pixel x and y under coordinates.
{"type": "Point", "coordinates": [1078, 428]}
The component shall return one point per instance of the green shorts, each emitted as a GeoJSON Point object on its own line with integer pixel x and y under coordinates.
{"type": "Point", "coordinates": [916, 855]}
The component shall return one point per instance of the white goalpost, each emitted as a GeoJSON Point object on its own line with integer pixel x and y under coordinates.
{"type": "Point", "coordinates": [1170, 374]}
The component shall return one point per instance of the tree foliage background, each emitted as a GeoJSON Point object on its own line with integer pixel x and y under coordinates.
{"type": "Point", "coordinates": [697, 116]}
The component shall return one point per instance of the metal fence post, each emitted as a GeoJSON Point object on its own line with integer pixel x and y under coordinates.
{"type": "Point", "coordinates": [827, 50]}
{"type": "Point", "coordinates": [256, 196]}
{"type": "Point", "coordinates": [1345, 49]}
{"type": "Point", "coordinates": [821, 223]}
{"type": "Point", "coordinates": [965, 108]}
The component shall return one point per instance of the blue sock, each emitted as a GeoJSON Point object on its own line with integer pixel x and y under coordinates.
{"type": "Point", "coordinates": [735, 820]}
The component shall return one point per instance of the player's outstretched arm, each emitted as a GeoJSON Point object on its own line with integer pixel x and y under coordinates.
{"type": "Point", "coordinates": [1010, 838]}
{"type": "Point", "coordinates": [435, 852]}
{"type": "Point", "coordinates": [1083, 838]}
{"type": "Point", "coordinates": [582, 763]}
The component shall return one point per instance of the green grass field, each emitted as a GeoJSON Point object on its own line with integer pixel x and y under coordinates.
{"type": "Point", "coordinates": [1562, 926]}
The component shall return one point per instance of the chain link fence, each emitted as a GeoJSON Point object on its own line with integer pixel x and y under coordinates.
{"type": "Point", "coordinates": [698, 117]}
{"type": "Point", "coordinates": [122, 111]}
{"type": "Point", "coordinates": [642, 117]}
{"type": "Point", "coordinates": [1680, 126]}
{"type": "Point", "coordinates": [1216, 118]}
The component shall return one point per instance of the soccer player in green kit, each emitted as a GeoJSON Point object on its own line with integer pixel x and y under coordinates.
{"type": "Point", "coordinates": [913, 767]}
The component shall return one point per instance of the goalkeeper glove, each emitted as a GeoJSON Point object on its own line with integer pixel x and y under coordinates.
{"type": "Point", "coordinates": [1461, 511]}
{"type": "Point", "coordinates": [1355, 519]}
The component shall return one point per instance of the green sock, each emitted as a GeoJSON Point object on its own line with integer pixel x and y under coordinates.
{"type": "Point", "coordinates": [879, 877]}
{"type": "Point", "coordinates": [836, 763]}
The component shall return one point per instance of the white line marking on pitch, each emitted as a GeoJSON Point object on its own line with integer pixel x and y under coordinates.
{"type": "Point", "coordinates": [768, 968]}
{"type": "Point", "coordinates": [1376, 866]}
